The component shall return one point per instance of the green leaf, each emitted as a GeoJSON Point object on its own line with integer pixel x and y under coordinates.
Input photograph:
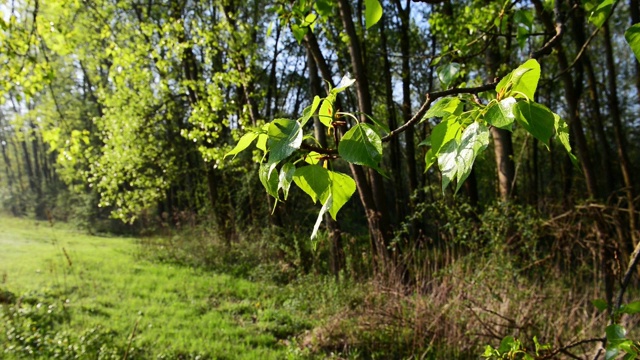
{"type": "Point", "coordinates": [524, 17]}
{"type": "Point", "coordinates": [299, 32]}
{"type": "Point", "coordinates": [601, 13]}
{"type": "Point", "coordinates": [537, 119]}
{"type": "Point", "coordinates": [323, 7]}
{"type": "Point", "coordinates": [243, 143]}
{"type": "Point", "coordinates": [269, 180]}
{"type": "Point", "coordinates": [312, 158]}
{"type": "Point", "coordinates": [456, 159]}
{"type": "Point", "coordinates": [445, 107]}
{"type": "Point", "coordinates": [262, 142]}
{"type": "Point", "coordinates": [615, 333]}
{"type": "Point", "coordinates": [444, 132]}
{"type": "Point", "coordinates": [631, 308]}
{"type": "Point", "coordinates": [501, 114]}
{"type": "Point", "coordinates": [379, 124]}
{"type": "Point", "coordinates": [429, 159]}
{"type": "Point", "coordinates": [309, 111]}
{"type": "Point", "coordinates": [372, 12]}
{"type": "Point", "coordinates": [611, 352]}
{"type": "Point", "coordinates": [600, 304]}
{"type": "Point", "coordinates": [627, 346]}
{"type": "Point", "coordinates": [285, 137]}
{"type": "Point", "coordinates": [285, 178]}
{"type": "Point", "coordinates": [361, 145]}
{"type": "Point", "coordinates": [506, 344]}
{"type": "Point", "coordinates": [325, 114]}
{"type": "Point", "coordinates": [333, 189]}
{"type": "Point", "coordinates": [323, 210]}
{"type": "Point", "coordinates": [633, 39]}
{"type": "Point", "coordinates": [524, 80]}
{"type": "Point", "coordinates": [342, 188]}
{"type": "Point", "coordinates": [448, 73]}
{"type": "Point", "coordinates": [313, 180]}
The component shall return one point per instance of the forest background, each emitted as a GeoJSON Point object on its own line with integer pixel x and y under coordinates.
{"type": "Point", "coordinates": [139, 117]}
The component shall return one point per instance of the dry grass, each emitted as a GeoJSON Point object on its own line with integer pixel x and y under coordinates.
{"type": "Point", "coordinates": [459, 301]}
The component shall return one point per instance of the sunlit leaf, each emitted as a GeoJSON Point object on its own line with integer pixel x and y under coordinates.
{"type": "Point", "coordinates": [632, 35]}
{"type": "Point", "coordinates": [269, 180]}
{"type": "Point", "coordinates": [309, 111]}
{"type": "Point", "coordinates": [244, 142]}
{"type": "Point", "coordinates": [536, 119]}
{"type": "Point", "coordinates": [361, 145]}
{"type": "Point", "coordinates": [325, 114]}
{"type": "Point", "coordinates": [285, 137]}
{"type": "Point", "coordinates": [342, 188]}
{"type": "Point", "coordinates": [521, 81]}
{"type": "Point", "coordinates": [372, 12]}
{"type": "Point", "coordinates": [501, 114]}
{"type": "Point", "coordinates": [285, 178]}
{"type": "Point", "coordinates": [445, 107]}
{"type": "Point", "coordinates": [601, 13]}
{"type": "Point", "coordinates": [313, 180]}
{"type": "Point", "coordinates": [562, 134]}
{"type": "Point", "coordinates": [456, 159]}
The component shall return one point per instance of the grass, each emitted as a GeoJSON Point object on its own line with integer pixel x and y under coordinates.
{"type": "Point", "coordinates": [171, 311]}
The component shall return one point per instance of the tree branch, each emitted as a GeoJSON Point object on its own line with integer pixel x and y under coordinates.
{"type": "Point", "coordinates": [431, 97]}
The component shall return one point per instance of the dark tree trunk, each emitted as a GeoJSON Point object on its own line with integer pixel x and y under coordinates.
{"type": "Point", "coordinates": [337, 261]}
{"type": "Point", "coordinates": [394, 146]}
{"type": "Point", "coordinates": [618, 131]}
{"type": "Point", "coordinates": [405, 48]}
{"type": "Point", "coordinates": [372, 196]}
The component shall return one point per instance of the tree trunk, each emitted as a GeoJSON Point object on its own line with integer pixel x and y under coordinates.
{"type": "Point", "coordinates": [372, 197]}
{"type": "Point", "coordinates": [337, 261]}
{"type": "Point", "coordinates": [572, 96]}
{"type": "Point", "coordinates": [405, 49]}
{"type": "Point", "coordinates": [394, 146]}
{"type": "Point", "coordinates": [502, 142]}
{"type": "Point", "coordinates": [621, 143]}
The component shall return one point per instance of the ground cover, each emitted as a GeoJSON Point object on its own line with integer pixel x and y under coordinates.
{"type": "Point", "coordinates": [100, 285]}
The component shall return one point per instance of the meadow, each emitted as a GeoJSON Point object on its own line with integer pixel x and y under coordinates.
{"type": "Point", "coordinates": [77, 293]}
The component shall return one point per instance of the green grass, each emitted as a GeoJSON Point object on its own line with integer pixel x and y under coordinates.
{"type": "Point", "coordinates": [177, 312]}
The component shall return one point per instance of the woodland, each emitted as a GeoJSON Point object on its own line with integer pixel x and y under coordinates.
{"type": "Point", "coordinates": [473, 164]}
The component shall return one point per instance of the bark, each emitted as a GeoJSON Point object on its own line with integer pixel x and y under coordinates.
{"type": "Point", "coordinates": [502, 141]}
{"type": "Point", "coordinates": [396, 160]}
{"type": "Point", "coordinates": [272, 90]}
{"type": "Point", "coordinates": [406, 91]}
{"type": "Point", "coordinates": [605, 150]}
{"type": "Point", "coordinates": [572, 96]}
{"type": "Point", "coordinates": [337, 261]}
{"type": "Point", "coordinates": [373, 197]}
{"type": "Point", "coordinates": [621, 143]}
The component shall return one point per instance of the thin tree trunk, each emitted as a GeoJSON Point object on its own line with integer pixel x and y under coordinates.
{"type": "Point", "coordinates": [621, 143]}
{"type": "Point", "coordinates": [396, 160]}
{"type": "Point", "coordinates": [337, 261]}
{"type": "Point", "coordinates": [605, 150]}
{"type": "Point", "coordinates": [377, 212]}
{"type": "Point", "coordinates": [405, 49]}
{"type": "Point", "coordinates": [502, 142]}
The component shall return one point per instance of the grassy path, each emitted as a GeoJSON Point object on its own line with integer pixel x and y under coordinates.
{"type": "Point", "coordinates": [176, 312]}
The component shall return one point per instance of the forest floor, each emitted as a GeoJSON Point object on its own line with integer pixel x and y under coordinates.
{"type": "Point", "coordinates": [148, 310]}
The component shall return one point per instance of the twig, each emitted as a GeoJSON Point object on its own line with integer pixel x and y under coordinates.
{"type": "Point", "coordinates": [572, 345]}
{"type": "Point", "coordinates": [431, 97]}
